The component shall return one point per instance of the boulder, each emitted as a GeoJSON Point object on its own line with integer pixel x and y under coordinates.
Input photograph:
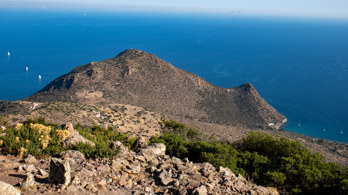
{"type": "Point", "coordinates": [27, 168]}
{"type": "Point", "coordinates": [240, 183]}
{"type": "Point", "coordinates": [43, 172]}
{"type": "Point", "coordinates": [76, 181]}
{"type": "Point", "coordinates": [73, 156]}
{"type": "Point", "coordinates": [76, 139]}
{"type": "Point", "coordinates": [8, 189]}
{"type": "Point", "coordinates": [165, 177]}
{"type": "Point", "coordinates": [226, 172]}
{"type": "Point", "coordinates": [30, 159]}
{"type": "Point", "coordinates": [201, 190]}
{"type": "Point", "coordinates": [207, 169]}
{"type": "Point", "coordinates": [153, 151]}
{"type": "Point", "coordinates": [139, 143]}
{"type": "Point", "coordinates": [85, 173]}
{"type": "Point", "coordinates": [29, 182]}
{"type": "Point", "coordinates": [59, 172]}
{"type": "Point", "coordinates": [69, 127]}
{"type": "Point", "coordinates": [118, 145]}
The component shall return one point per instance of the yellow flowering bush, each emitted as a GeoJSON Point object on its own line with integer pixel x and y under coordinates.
{"type": "Point", "coordinates": [45, 140]}
{"type": "Point", "coordinates": [63, 135]}
{"type": "Point", "coordinates": [22, 151]}
{"type": "Point", "coordinates": [41, 128]}
{"type": "Point", "coordinates": [45, 133]}
{"type": "Point", "coordinates": [41, 139]}
{"type": "Point", "coordinates": [18, 126]}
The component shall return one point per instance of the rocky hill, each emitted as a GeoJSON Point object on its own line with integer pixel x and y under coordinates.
{"type": "Point", "coordinates": [141, 79]}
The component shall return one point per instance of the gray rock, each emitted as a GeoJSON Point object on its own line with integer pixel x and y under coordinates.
{"type": "Point", "coordinates": [147, 189]}
{"type": "Point", "coordinates": [153, 151]}
{"type": "Point", "coordinates": [263, 190]}
{"type": "Point", "coordinates": [240, 183]}
{"type": "Point", "coordinates": [30, 159]}
{"type": "Point", "coordinates": [27, 168]}
{"type": "Point", "coordinates": [154, 162]}
{"type": "Point", "coordinates": [176, 183]}
{"type": "Point", "coordinates": [207, 169]}
{"type": "Point", "coordinates": [119, 163]}
{"type": "Point", "coordinates": [76, 181]}
{"type": "Point", "coordinates": [103, 168]}
{"type": "Point", "coordinates": [176, 160]}
{"type": "Point", "coordinates": [29, 182]}
{"type": "Point", "coordinates": [73, 156]}
{"type": "Point", "coordinates": [226, 172]}
{"type": "Point", "coordinates": [139, 143]}
{"type": "Point", "coordinates": [202, 190]}
{"type": "Point", "coordinates": [8, 189]}
{"type": "Point", "coordinates": [136, 169]}
{"type": "Point", "coordinates": [86, 173]}
{"type": "Point", "coordinates": [75, 139]}
{"type": "Point", "coordinates": [165, 177]}
{"type": "Point", "coordinates": [43, 172]}
{"type": "Point", "coordinates": [59, 172]}
{"type": "Point", "coordinates": [71, 189]}
{"type": "Point", "coordinates": [102, 182]}
{"type": "Point", "coordinates": [118, 145]}
{"type": "Point", "coordinates": [153, 169]}
{"type": "Point", "coordinates": [140, 158]}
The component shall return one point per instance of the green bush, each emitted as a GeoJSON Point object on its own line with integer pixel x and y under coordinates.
{"type": "Point", "coordinates": [189, 133]}
{"type": "Point", "coordinates": [99, 151]}
{"type": "Point", "coordinates": [291, 166]}
{"type": "Point", "coordinates": [265, 159]}
{"type": "Point", "coordinates": [24, 140]}
{"type": "Point", "coordinates": [29, 139]}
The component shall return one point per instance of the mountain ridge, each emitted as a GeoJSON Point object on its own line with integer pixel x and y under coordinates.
{"type": "Point", "coordinates": [137, 78]}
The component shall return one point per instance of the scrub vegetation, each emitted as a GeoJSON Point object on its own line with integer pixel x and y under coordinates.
{"type": "Point", "coordinates": [267, 160]}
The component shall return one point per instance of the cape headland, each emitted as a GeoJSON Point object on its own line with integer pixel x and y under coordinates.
{"type": "Point", "coordinates": [137, 78]}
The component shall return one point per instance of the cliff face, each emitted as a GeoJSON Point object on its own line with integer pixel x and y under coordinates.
{"type": "Point", "coordinates": [141, 79]}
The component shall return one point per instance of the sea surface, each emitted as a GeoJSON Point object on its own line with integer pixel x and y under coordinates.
{"type": "Point", "coordinates": [299, 65]}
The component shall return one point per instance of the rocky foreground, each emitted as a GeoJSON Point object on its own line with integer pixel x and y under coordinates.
{"type": "Point", "coordinates": [146, 171]}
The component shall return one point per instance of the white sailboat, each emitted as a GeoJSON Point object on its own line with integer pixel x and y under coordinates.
{"type": "Point", "coordinates": [8, 54]}
{"type": "Point", "coordinates": [39, 77]}
{"type": "Point", "coordinates": [26, 68]}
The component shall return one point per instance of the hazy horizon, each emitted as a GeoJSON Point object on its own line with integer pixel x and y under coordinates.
{"type": "Point", "coordinates": [292, 8]}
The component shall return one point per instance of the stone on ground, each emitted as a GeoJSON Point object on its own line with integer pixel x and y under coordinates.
{"type": "Point", "coordinates": [59, 172]}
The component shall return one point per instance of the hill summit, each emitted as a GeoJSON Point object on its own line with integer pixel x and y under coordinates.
{"type": "Point", "coordinates": [142, 79]}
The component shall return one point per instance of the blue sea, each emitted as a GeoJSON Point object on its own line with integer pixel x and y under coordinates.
{"type": "Point", "coordinates": [299, 65]}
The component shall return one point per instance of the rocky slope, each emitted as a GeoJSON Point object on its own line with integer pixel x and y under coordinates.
{"type": "Point", "coordinates": [137, 121]}
{"type": "Point", "coordinates": [147, 171]}
{"type": "Point", "coordinates": [128, 119]}
{"type": "Point", "coordinates": [141, 79]}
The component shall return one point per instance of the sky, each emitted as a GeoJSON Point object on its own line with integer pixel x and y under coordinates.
{"type": "Point", "coordinates": [313, 8]}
